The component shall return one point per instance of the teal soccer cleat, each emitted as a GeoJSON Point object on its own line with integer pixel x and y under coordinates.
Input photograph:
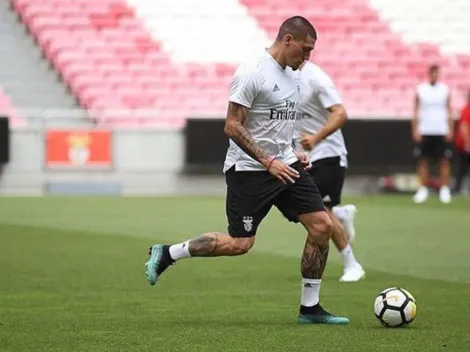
{"type": "Point", "coordinates": [159, 261]}
{"type": "Point", "coordinates": [322, 319]}
{"type": "Point", "coordinates": [317, 315]}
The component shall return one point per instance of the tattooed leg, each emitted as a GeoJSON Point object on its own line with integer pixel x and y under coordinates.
{"type": "Point", "coordinates": [314, 259]}
{"type": "Point", "coordinates": [313, 263]}
{"type": "Point", "coordinates": [216, 244]}
{"type": "Point", "coordinates": [211, 244]}
{"type": "Point", "coordinates": [315, 255]}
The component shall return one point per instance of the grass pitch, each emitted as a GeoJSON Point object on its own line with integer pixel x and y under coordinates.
{"type": "Point", "coordinates": [72, 279]}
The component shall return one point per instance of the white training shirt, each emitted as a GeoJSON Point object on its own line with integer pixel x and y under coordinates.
{"type": "Point", "coordinates": [271, 93]}
{"type": "Point", "coordinates": [317, 93]}
{"type": "Point", "coordinates": [432, 114]}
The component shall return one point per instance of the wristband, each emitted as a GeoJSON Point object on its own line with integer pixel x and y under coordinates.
{"type": "Point", "coordinates": [270, 163]}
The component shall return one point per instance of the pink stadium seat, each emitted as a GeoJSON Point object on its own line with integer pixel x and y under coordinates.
{"type": "Point", "coordinates": [110, 61]}
{"type": "Point", "coordinates": [372, 66]}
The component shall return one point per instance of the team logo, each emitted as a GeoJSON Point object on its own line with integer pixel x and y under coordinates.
{"type": "Point", "coordinates": [248, 223]}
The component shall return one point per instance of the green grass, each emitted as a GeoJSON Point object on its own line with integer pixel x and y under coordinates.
{"type": "Point", "coordinates": [72, 279]}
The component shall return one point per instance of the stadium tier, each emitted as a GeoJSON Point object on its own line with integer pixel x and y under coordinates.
{"type": "Point", "coordinates": [173, 59]}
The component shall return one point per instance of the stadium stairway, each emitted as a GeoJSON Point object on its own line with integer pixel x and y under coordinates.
{"type": "Point", "coordinates": [25, 76]}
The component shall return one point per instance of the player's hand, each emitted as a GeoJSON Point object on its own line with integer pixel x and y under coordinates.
{"type": "Point", "coordinates": [304, 160]}
{"type": "Point", "coordinates": [283, 172]}
{"type": "Point", "coordinates": [449, 137]}
{"type": "Point", "coordinates": [308, 141]}
{"type": "Point", "coordinates": [417, 137]}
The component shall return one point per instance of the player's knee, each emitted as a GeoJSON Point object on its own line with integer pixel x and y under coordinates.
{"type": "Point", "coordinates": [325, 226]}
{"type": "Point", "coordinates": [242, 245]}
{"type": "Point", "coordinates": [322, 228]}
{"type": "Point", "coordinates": [318, 225]}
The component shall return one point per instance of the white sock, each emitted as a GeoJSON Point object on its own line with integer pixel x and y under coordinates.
{"type": "Point", "coordinates": [180, 251]}
{"type": "Point", "coordinates": [340, 212]}
{"type": "Point", "coordinates": [348, 257]}
{"type": "Point", "coordinates": [310, 292]}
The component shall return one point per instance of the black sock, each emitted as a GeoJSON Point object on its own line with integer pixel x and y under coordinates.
{"type": "Point", "coordinates": [165, 261]}
{"type": "Point", "coordinates": [166, 254]}
{"type": "Point", "coordinates": [316, 309]}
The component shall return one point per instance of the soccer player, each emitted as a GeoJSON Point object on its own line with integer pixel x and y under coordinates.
{"type": "Point", "coordinates": [262, 169]}
{"type": "Point", "coordinates": [318, 131]}
{"type": "Point", "coordinates": [462, 144]}
{"type": "Point", "coordinates": [432, 128]}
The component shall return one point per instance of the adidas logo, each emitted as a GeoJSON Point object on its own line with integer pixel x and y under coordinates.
{"type": "Point", "coordinates": [327, 198]}
{"type": "Point", "coordinates": [276, 88]}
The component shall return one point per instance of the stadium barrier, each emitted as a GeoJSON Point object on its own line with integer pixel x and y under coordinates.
{"type": "Point", "coordinates": [376, 146]}
{"type": "Point", "coordinates": [65, 152]}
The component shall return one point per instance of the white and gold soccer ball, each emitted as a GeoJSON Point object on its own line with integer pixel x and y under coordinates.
{"type": "Point", "coordinates": [395, 307]}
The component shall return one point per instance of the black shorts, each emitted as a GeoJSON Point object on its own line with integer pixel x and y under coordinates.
{"type": "Point", "coordinates": [251, 194]}
{"type": "Point", "coordinates": [433, 147]}
{"type": "Point", "coordinates": [328, 175]}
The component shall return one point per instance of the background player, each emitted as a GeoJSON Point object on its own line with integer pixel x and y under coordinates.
{"type": "Point", "coordinates": [262, 170]}
{"type": "Point", "coordinates": [462, 144]}
{"type": "Point", "coordinates": [321, 115]}
{"type": "Point", "coordinates": [432, 129]}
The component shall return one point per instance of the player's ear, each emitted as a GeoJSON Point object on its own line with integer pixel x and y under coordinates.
{"type": "Point", "coordinates": [288, 39]}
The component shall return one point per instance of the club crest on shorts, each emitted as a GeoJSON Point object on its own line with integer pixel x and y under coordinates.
{"type": "Point", "coordinates": [248, 223]}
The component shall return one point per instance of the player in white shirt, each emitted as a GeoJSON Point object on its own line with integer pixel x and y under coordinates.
{"type": "Point", "coordinates": [318, 132]}
{"type": "Point", "coordinates": [432, 128]}
{"type": "Point", "coordinates": [262, 169]}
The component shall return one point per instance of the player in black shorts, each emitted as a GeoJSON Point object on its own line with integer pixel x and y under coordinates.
{"type": "Point", "coordinates": [262, 170]}
{"type": "Point", "coordinates": [329, 174]}
{"type": "Point", "coordinates": [432, 128]}
{"type": "Point", "coordinates": [318, 131]}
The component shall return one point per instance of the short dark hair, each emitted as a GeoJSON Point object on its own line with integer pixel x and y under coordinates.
{"type": "Point", "coordinates": [433, 68]}
{"type": "Point", "coordinates": [299, 27]}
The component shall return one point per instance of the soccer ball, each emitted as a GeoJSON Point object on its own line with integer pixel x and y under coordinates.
{"type": "Point", "coordinates": [395, 307]}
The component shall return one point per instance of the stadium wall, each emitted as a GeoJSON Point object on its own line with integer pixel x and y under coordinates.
{"type": "Point", "coordinates": [162, 161]}
{"type": "Point", "coordinates": [141, 162]}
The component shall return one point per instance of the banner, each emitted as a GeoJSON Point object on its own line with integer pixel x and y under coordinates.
{"type": "Point", "coordinates": [78, 148]}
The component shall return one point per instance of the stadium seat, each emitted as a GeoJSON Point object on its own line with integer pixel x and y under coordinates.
{"type": "Point", "coordinates": [125, 54]}
{"type": "Point", "coordinates": [373, 65]}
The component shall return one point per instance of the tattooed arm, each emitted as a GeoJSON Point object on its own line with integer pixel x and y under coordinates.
{"type": "Point", "coordinates": [234, 129]}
